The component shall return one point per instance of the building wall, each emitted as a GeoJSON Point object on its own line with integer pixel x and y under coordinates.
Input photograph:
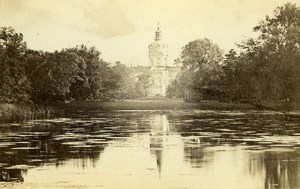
{"type": "Point", "coordinates": [158, 54]}
{"type": "Point", "coordinates": [159, 77]}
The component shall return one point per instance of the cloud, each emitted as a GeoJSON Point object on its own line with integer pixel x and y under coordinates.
{"type": "Point", "coordinates": [107, 19]}
{"type": "Point", "coordinates": [21, 13]}
{"type": "Point", "coordinates": [101, 18]}
{"type": "Point", "coordinates": [122, 29]}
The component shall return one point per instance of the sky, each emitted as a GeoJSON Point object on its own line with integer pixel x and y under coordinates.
{"type": "Point", "coordinates": [122, 29]}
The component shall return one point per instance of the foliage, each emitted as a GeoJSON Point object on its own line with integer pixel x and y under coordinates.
{"type": "Point", "coordinates": [143, 84]}
{"type": "Point", "coordinates": [178, 86]}
{"type": "Point", "coordinates": [52, 75]}
{"type": "Point", "coordinates": [126, 84]}
{"type": "Point", "coordinates": [14, 85]}
{"type": "Point", "coordinates": [268, 67]}
{"type": "Point", "coordinates": [48, 77]}
{"type": "Point", "coordinates": [95, 79]}
{"type": "Point", "coordinates": [201, 60]}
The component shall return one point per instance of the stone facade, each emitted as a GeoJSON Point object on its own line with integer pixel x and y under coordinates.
{"type": "Point", "coordinates": [161, 73]}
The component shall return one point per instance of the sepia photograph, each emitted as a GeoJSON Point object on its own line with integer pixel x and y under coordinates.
{"type": "Point", "coordinates": [149, 94]}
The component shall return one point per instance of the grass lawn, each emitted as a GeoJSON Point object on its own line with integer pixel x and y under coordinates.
{"type": "Point", "coordinates": [156, 104]}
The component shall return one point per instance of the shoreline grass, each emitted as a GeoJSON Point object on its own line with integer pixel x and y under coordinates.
{"type": "Point", "coordinates": [13, 113]}
{"type": "Point", "coordinates": [16, 113]}
{"type": "Point", "coordinates": [178, 104]}
{"type": "Point", "coordinates": [155, 104]}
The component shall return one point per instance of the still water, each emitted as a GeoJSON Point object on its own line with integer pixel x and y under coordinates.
{"type": "Point", "coordinates": [153, 149]}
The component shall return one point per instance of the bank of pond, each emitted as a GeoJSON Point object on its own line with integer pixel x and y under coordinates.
{"type": "Point", "coordinates": [22, 112]}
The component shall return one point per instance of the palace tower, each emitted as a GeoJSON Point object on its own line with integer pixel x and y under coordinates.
{"type": "Point", "coordinates": [160, 71]}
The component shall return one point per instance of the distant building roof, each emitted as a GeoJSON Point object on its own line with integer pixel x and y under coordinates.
{"type": "Point", "coordinates": [140, 69]}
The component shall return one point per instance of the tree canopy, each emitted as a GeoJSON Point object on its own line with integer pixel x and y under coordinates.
{"type": "Point", "coordinates": [14, 85]}
{"type": "Point", "coordinates": [201, 60]}
{"type": "Point", "coordinates": [77, 73]}
{"type": "Point", "coordinates": [268, 67]}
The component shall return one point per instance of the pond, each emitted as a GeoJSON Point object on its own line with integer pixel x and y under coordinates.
{"type": "Point", "coordinates": [153, 149]}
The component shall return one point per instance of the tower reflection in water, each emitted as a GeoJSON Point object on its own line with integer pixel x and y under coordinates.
{"type": "Point", "coordinates": [159, 129]}
{"type": "Point", "coordinates": [164, 143]}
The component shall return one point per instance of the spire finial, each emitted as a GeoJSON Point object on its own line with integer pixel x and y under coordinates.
{"type": "Point", "coordinates": [157, 33]}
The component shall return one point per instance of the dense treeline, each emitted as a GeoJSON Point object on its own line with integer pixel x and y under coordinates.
{"type": "Point", "coordinates": [263, 68]}
{"type": "Point", "coordinates": [70, 74]}
{"type": "Point", "coordinates": [268, 67]}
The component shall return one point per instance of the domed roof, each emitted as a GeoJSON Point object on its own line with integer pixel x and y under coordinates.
{"type": "Point", "coordinates": [158, 43]}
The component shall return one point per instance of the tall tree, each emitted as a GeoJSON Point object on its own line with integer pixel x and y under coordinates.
{"type": "Point", "coordinates": [126, 84]}
{"type": "Point", "coordinates": [279, 39]}
{"type": "Point", "coordinates": [52, 74]}
{"type": "Point", "coordinates": [201, 60]}
{"type": "Point", "coordinates": [143, 84]}
{"type": "Point", "coordinates": [96, 79]}
{"type": "Point", "coordinates": [14, 85]}
{"type": "Point", "coordinates": [268, 67]}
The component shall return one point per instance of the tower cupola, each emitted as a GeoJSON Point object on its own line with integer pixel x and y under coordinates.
{"type": "Point", "coordinates": [157, 33]}
{"type": "Point", "coordinates": [158, 51]}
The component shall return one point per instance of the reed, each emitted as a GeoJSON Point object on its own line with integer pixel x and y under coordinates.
{"type": "Point", "coordinates": [19, 113]}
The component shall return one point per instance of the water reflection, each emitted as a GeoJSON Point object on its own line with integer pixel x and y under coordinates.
{"type": "Point", "coordinates": [163, 140]}
{"type": "Point", "coordinates": [282, 170]}
{"type": "Point", "coordinates": [172, 149]}
{"type": "Point", "coordinates": [159, 129]}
